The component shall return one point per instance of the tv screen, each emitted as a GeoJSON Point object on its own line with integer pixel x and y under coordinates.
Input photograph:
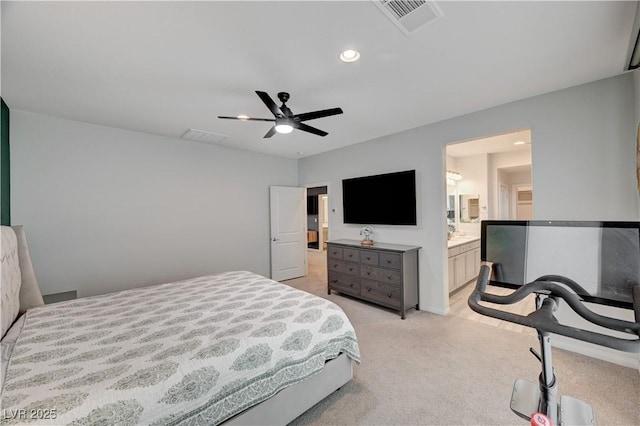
{"type": "Point", "coordinates": [388, 199]}
{"type": "Point", "coordinates": [312, 204]}
{"type": "Point", "coordinates": [603, 257]}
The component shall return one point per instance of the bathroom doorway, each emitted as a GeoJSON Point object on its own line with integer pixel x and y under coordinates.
{"type": "Point", "coordinates": [487, 178]}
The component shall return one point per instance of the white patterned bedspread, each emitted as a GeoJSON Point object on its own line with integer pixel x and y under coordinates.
{"type": "Point", "coordinates": [191, 352]}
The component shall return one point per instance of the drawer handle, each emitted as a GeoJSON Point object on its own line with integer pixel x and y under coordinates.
{"type": "Point", "coordinates": [335, 265]}
{"type": "Point", "coordinates": [368, 273]}
{"type": "Point", "coordinates": [350, 269]}
{"type": "Point", "coordinates": [334, 281]}
{"type": "Point", "coordinates": [368, 258]}
{"type": "Point", "coordinates": [389, 295]}
{"type": "Point", "coordinates": [388, 277]}
{"type": "Point", "coordinates": [369, 289]}
{"type": "Point", "coordinates": [351, 285]}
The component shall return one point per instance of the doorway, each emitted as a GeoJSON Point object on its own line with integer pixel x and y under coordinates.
{"type": "Point", "coordinates": [487, 178]}
{"type": "Point", "coordinates": [317, 218]}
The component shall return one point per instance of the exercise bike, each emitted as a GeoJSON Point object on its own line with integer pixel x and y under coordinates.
{"type": "Point", "coordinates": [550, 290]}
{"type": "Point", "coordinates": [528, 398]}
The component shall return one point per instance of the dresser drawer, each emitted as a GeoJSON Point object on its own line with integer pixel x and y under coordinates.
{"type": "Point", "coordinates": [344, 283]}
{"type": "Point", "coordinates": [369, 258]}
{"type": "Point", "coordinates": [385, 275]}
{"type": "Point", "coordinates": [334, 252]}
{"type": "Point", "coordinates": [351, 255]}
{"type": "Point", "coordinates": [389, 260]}
{"type": "Point", "coordinates": [380, 292]}
{"type": "Point", "coordinates": [344, 267]}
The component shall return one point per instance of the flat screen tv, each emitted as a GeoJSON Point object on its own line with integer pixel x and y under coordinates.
{"type": "Point", "coordinates": [312, 204]}
{"type": "Point", "coordinates": [603, 257]}
{"type": "Point", "coordinates": [388, 199]}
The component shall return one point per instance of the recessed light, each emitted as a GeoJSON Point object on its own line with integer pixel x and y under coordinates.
{"type": "Point", "coordinates": [519, 143]}
{"type": "Point", "coordinates": [349, 55]}
{"type": "Point", "coordinates": [242, 117]}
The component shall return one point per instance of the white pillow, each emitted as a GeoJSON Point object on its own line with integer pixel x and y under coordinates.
{"type": "Point", "coordinates": [11, 278]}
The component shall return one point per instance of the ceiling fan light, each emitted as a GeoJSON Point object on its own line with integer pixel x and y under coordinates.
{"type": "Point", "coordinates": [284, 128]}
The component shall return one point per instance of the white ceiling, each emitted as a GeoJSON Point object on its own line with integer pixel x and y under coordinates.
{"type": "Point", "coordinates": [165, 67]}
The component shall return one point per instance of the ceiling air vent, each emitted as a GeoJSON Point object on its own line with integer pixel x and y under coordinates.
{"type": "Point", "coordinates": [409, 15]}
{"type": "Point", "coordinates": [202, 136]}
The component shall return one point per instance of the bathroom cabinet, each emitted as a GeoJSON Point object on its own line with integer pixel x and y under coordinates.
{"type": "Point", "coordinates": [464, 264]}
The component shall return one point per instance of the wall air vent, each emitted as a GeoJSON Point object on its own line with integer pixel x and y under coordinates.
{"type": "Point", "coordinates": [409, 15]}
{"type": "Point", "coordinates": [203, 136]}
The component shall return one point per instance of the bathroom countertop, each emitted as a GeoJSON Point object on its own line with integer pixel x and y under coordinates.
{"type": "Point", "coordinates": [461, 239]}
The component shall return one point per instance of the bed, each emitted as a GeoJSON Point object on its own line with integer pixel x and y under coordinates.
{"type": "Point", "coordinates": [233, 347]}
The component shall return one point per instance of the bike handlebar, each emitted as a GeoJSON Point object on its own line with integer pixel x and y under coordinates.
{"type": "Point", "coordinates": [542, 319]}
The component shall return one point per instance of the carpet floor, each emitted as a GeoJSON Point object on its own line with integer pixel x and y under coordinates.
{"type": "Point", "coordinates": [448, 370]}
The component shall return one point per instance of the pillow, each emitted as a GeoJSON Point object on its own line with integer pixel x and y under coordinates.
{"type": "Point", "coordinates": [11, 278]}
{"type": "Point", "coordinates": [30, 295]}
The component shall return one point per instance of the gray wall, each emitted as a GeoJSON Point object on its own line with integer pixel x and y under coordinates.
{"type": "Point", "coordinates": [583, 142]}
{"type": "Point", "coordinates": [107, 209]}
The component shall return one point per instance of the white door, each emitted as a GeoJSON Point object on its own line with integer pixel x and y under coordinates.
{"type": "Point", "coordinates": [503, 200]}
{"type": "Point", "coordinates": [288, 233]}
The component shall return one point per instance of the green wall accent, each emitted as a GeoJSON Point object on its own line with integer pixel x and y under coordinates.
{"type": "Point", "coordinates": [5, 178]}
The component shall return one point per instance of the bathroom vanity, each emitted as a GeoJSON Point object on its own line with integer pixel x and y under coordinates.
{"type": "Point", "coordinates": [463, 260]}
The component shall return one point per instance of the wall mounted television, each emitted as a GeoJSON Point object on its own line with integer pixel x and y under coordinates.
{"type": "Point", "coordinates": [312, 204]}
{"type": "Point", "coordinates": [387, 199]}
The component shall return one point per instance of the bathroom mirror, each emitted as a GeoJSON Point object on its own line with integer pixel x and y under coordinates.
{"type": "Point", "coordinates": [470, 208]}
{"type": "Point", "coordinates": [451, 207]}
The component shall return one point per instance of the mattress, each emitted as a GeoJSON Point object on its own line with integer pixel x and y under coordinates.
{"type": "Point", "coordinates": [197, 351]}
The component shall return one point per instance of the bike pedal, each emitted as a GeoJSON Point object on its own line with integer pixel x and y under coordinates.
{"type": "Point", "coordinates": [525, 398]}
{"type": "Point", "coordinates": [574, 411]}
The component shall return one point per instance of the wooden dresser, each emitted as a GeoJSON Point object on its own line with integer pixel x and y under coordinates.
{"type": "Point", "coordinates": [385, 274]}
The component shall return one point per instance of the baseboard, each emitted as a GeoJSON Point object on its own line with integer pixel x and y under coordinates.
{"type": "Point", "coordinates": [435, 310]}
{"type": "Point", "coordinates": [626, 359]}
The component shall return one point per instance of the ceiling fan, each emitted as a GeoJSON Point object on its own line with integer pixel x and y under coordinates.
{"type": "Point", "coordinates": [285, 120]}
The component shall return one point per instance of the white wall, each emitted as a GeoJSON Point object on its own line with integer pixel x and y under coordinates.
{"type": "Point", "coordinates": [583, 167]}
{"type": "Point", "coordinates": [107, 209]}
{"type": "Point", "coordinates": [503, 160]}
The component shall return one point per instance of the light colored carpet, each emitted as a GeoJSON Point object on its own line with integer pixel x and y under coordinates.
{"type": "Point", "coordinates": [448, 370]}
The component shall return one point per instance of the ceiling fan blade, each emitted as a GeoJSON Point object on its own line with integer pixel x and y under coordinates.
{"type": "Point", "coordinates": [275, 109]}
{"type": "Point", "coordinates": [317, 114]}
{"type": "Point", "coordinates": [247, 118]}
{"type": "Point", "coordinates": [307, 128]}
{"type": "Point", "coordinates": [271, 132]}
